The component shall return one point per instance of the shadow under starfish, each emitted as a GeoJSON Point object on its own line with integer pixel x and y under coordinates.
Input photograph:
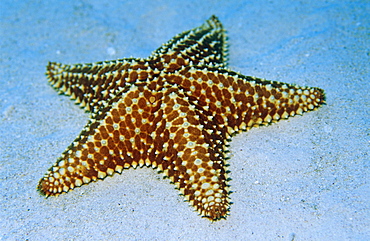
{"type": "Point", "coordinates": [175, 111]}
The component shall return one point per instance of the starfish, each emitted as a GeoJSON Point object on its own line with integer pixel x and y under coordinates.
{"type": "Point", "coordinates": [175, 110]}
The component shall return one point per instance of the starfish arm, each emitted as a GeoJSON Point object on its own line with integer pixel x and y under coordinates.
{"type": "Point", "coordinates": [193, 161]}
{"type": "Point", "coordinates": [240, 102]}
{"type": "Point", "coordinates": [204, 45]}
{"type": "Point", "coordinates": [92, 85]}
{"type": "Point", "coordinates": [116, 138]}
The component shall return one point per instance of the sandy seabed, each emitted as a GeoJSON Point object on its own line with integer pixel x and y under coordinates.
{"type": "Point", "coordinates": [306, 178]}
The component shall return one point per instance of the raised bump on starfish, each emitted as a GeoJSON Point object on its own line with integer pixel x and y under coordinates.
{"type": "Point", "coordinates": [176, 115]}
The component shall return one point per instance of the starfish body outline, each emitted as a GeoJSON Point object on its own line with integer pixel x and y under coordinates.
{"type": "Point", "coordinates": [175, 111]}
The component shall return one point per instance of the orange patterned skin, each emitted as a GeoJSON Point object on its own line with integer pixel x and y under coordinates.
{"type": "Point", "coordinates": [175, 111]}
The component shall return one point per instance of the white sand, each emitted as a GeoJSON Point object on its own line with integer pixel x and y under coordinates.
{"type": "Point", "coordinates": [306, 178]}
